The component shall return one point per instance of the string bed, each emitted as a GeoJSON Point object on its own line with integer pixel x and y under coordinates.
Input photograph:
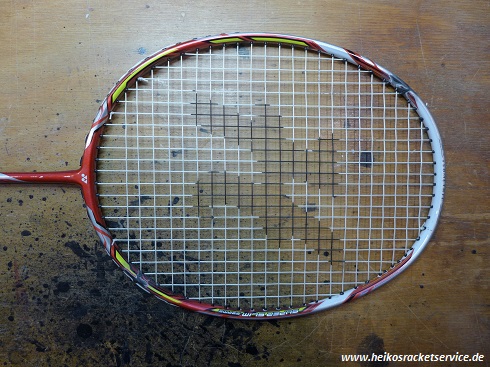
{"type": "Point", "coordinates": [260, 176]}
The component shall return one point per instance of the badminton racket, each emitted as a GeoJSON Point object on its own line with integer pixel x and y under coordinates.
{"type": "Point", "coordinates": [259, 176]}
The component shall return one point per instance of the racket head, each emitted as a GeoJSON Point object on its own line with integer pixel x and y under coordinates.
{"type": "Point", "coordinates": [91, 177]}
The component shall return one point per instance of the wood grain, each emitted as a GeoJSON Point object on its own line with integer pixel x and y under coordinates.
{"type": "Point", "coordinates": [63, 301]}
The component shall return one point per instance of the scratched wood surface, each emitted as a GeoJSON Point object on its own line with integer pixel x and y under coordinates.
{"type": "Point", "coordinates": [64, 303]}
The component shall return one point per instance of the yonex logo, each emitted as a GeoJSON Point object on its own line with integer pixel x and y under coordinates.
{"type": "Point", "coordinates": [84, 178]}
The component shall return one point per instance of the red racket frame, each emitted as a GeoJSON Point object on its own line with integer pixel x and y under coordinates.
{"type": "Point", "coordinates": [85, 176]}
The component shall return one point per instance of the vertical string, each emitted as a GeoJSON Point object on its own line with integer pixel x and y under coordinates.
{"type": "Point", "coordinates": [126, 173]}
{"type": "Point", "coordinates": [239, 219]}
{"type": "Point", "coordinates": [224, 173]}
{"type": "Point", "coordinates": [371, 114]}
{"type": "Point", "coordinates": [306, 149]}
{"type": "Point", "coordinates": [138, 159]}
{"type": "Point", "coordinates": [332, 126]}
{"type": "Point", "coordinates": [319, 137]}
{"type": "Point", "coordinates": [347, 189]}
{"type": "Point", "coordinates": [408, 164]}
{"type": "Point", "coordinates": [183, 180]}
{"type": "Point", "coordinates": [279, 239]}
{"type": "Point", "coordinates": [211, 153]}
{"type": "Point", "coordinates": [383, 186]}
{"type": "Point", "coordinates": [197, 155]}
{"type": "Point", "coordinates": [266, 153]}
{"type": "Point", "coordinates": [359, 171]}
{"type": "Point", "coordinates": [395, 183]}
{"type": "Point", "coordinates": [293, 122]}
{"type": "Point", "coordinates": [252, 235]}
{"type": "Point", "coordinates": [169, 155]}
{"type": "Point", "coordinates": [421, 173]}
{"type": "Point", "coordinates": [155, 204]}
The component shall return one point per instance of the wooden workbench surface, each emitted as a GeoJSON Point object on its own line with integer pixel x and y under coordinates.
{"type": "Point", "coordinates": [64, 303]}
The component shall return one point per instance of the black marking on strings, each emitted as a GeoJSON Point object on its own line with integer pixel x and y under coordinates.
{"type": "Point", "coordinates": [226, 185]}
{"type": "Point", "coordinates": [332, 239]}
{"type": "Point", "coordinates": [196, 109]}
{"type": "Point", "coordinates": [224, 122]}
{"type": "Point", "coordinates": [328, 250]}
{"type": "Point", "coordinates": [292, 201]}
{"type": "Point", "coordinates": [210, 114]}
{"type": "Point", "coordinates": [366, 159]}
{"type": "Point", "coordinates": [331, 246]}
{"type": "Point", "coordinates": [267, 126]}
{"type": "Point", "coordinates": [266, 151]}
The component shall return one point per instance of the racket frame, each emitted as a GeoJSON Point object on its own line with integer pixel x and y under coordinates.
{"type": "Point", "coordinates": [85, 176]}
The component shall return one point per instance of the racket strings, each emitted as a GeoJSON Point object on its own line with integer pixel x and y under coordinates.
{"type": "Point", "coordinates": [263, 176]}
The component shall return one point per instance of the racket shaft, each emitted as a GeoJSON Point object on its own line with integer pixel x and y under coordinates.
{"type": "Point", "coordinates": [61, 177]}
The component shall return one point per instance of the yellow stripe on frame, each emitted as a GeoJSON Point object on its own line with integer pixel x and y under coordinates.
{"type": "Point", "coordinates": [123, 262]}
{"type": "Point", "coordinates": [123, 85]}
{"type": "Point", "coordinates": [280, 40]}
{"type": "Point", "coordinates": [163, 295]}
{"type": "Point", "coordinates": [226, 40]}
{"type": "Point", "coordinates": [126, 266]}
